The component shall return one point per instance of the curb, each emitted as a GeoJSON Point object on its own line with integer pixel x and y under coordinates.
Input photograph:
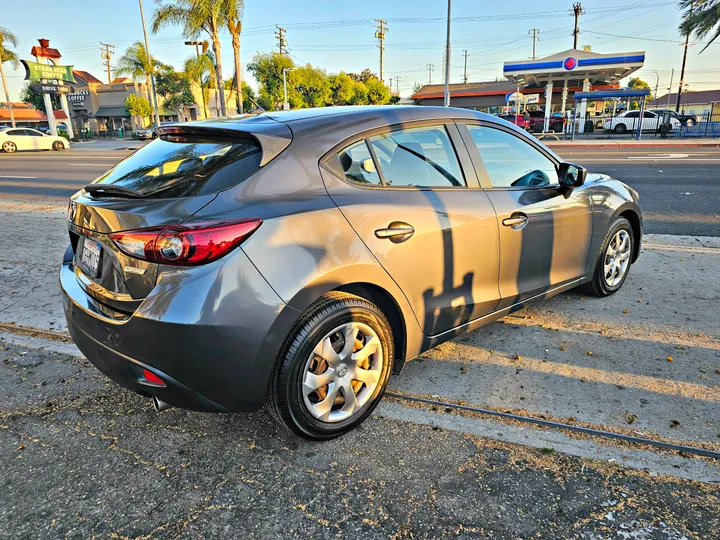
{"type": "Point", "coordinates": [618, 146]}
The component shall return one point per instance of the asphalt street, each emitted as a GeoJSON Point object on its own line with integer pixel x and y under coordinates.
{"type": "Point", "coordinates": [679, 188]}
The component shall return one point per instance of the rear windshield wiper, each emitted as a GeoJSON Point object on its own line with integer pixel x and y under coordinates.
{"type": "Point", "coordinates": [110, 189]}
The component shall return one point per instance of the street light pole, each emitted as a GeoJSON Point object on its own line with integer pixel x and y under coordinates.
{"type": "Point", "coordinates": [197, 53]}
{"type": "Point", "coordinates": [286, 105]}
{"type": "Point", "coordinates": [149, 58]}
{"type": "Point", "coordinates": [446, 101]}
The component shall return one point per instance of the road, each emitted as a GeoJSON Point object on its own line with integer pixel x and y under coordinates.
{"type": "Point", "coordinates": [679, 188]}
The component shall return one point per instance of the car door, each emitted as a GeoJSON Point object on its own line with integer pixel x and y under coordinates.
{"type": "Point", "coordinates": [631, 120]}
{"type": "Point", "coordinates": [650, 121]}
{"type": "Point", "coordinates": [423, 216]}
{"type": "Point", "coordinates": [36, 140]}
{"type": "Point", "coordinates": [544, 235]}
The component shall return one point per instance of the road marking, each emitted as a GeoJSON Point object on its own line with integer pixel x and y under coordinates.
{"type": "Point", "coordinates": [661, 156]}
{"type": "Point", "coordinates": [18, 177]}
{"type": "Point", "coordinates": [92, 164]}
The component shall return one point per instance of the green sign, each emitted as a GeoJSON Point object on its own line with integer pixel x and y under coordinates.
{"type": "Point", "coordinates": [35, 71]}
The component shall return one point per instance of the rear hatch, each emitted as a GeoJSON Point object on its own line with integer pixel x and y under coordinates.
{"type": "Point", "coordinates": [162, 184]}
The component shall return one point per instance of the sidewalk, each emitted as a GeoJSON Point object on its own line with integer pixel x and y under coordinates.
{"type": "Point", "coordinates": [632, 143]}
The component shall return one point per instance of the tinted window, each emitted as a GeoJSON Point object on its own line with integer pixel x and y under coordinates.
{"type": "Point", "coordinates": [356, 163]}
{"type": "Point", "coordinates": [33, 133]}
{"type": "Point", "coordinates": [648, 114]}
{"type": "Point", "coordinates": [183, 166]}
{"type": "Point", "coordinates": [510, 161]}
{"type": "Point", "coordinates": [634, 114]}
{"type": "Point", "coordinates": [420, 157]}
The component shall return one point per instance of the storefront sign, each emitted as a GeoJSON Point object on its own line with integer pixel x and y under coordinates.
{"type": "Point", "coordinates": [36, 71]}
{"type": "Point", "coordinates": [77, 99]}
{"type": "Point", "coordinates": [41, 88]}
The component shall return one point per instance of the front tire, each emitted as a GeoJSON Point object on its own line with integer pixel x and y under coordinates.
{"type": "Point", "coordinates": [334, 368]}
{"type": "Point", "coordinates": [57, 146]}
{"type": "Point", "coordinates": [613, 263]}
{"type": "Point", "coordinates": [620, 129]}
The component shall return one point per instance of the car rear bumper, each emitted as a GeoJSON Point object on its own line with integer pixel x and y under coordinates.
{"type": "Point", "coordinates": [211, 333]}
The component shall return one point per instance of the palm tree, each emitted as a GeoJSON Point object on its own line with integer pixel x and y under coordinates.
{"type": "Point", "coordinates": [196, 17]}
{"type": "Point", "coordinates": [136, 64]}
{"type": "Point", "coordinates": [234, 14]}
{"type": "Point", "coordinates": [6, 55]}
{"type": "Point", "coordinates": [701, 17]}
{"type": "Point", "coordinates": [196, 68]}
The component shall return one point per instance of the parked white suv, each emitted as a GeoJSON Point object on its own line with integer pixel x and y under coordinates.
{"type": "Point", "coordinates": [628, 121]}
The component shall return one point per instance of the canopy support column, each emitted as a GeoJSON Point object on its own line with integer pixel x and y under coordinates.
{"type": "Point", "coordinates": [582, 110]}
{"type": "Point", "coordinates": [548, 105]}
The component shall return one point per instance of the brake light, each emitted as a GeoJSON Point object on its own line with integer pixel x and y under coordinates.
{"type": "Point", "coordinates": [188, 244]}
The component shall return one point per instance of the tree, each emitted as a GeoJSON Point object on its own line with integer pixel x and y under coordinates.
{"type": "Point", "coordinates": [7, 38]}
{"type": "Point", "coordinates": [138, 106]}
{"type": "Point", "coordinates": [342, 88]}
{"type": "Point", "coordinates": [174, 87]}
{"type": "Point", "coordinates": [363, 76]}
{"type": "Point", "coordinates": [587, 48]}
{"type": "Point", "coordinates": [701, 18]}
{"type": "Point", "coordinates": [196, 17]}
{"type": "Point", "coordinates": [137, 64]}
{"type": "Point", "coordinates": [378, 92]}
{"type": "Point", "coordinates": [637, 82]}
{"type": "Point", "coordinates": [267, 69]}
{"type": "Point", "coordinates": [233, 14]}
{"type": "Point", "coordinates": [311, 88]}
{"type": "Point", "coordinates": [416, 88]}
{"type": "Point", "coordinates": [36, 99]}
{"type": "Point", "coordinates": [197, 69]}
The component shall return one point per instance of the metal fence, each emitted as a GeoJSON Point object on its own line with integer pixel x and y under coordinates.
{"type": "Point", "coordinates": [609, 126]}
{"type": "Point", "coordinates": [707, 125]}
{"type": "Point", "coordinates": [87, 134]}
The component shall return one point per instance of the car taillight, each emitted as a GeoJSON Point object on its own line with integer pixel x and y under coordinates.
{"type": "Point", "coordinates": [187, 244]}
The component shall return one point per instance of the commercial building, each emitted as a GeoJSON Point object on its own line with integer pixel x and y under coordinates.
{"type": "Point", "coordinates": [698, 102]}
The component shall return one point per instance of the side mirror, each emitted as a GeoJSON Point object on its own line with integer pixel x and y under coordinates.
{"type": "Point", "coordinates": [571, 176]}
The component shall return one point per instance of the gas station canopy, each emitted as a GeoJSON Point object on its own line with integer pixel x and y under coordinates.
{"type": "Point", "coordinates": [574, 66]}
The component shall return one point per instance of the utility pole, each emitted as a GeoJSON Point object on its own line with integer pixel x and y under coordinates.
{"type": "Point", "coordinates": [152, 75]}
{"type": "Point", "coordinates": [682, 70]}
{"type": "Point", "coordinates": [672, 76]}
{"type": "Point", "coordinates": [465, 54]}
{"type": "Point", "coordinates": [397, 84]}
{"type": "Point", "coordinates": [282, 40]}
{"type": "Point", "coordinates": [535, 33]}
{"type": "Point", "coordinates": [657, 82]}
{"type": "Point", "coordinates": [577, 11]}
{"type": "Point", "coordinates": [380, 31]}
{"type": "Point", "coordinates": [430, 68]}
{"type": "Point", "coordinates": [198, 44]}
{"type": "Point", "coordinates": [446, 100]}
{"type": "Point", "coordinates": [106, 54]}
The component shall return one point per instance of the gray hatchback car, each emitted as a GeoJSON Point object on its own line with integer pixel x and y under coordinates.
{"type": "Point", "coordinates": [297, 259]}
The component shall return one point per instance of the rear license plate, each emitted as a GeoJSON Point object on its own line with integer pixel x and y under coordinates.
{"type": "Point", "coordinates": [90, 257]}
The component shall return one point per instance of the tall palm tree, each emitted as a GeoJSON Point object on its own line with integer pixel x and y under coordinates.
{"type": "Point", "coordinates": [136, 64]}
{"type": "Point", "coordinates": [197, 67]}
{"type": "Point", "coordinates": [701, 18]}
{"type": "Point", "coordinates": [233, 15]}
{"type": "Point", "coordinates": [196, 17]}
{"type": "Point", "coordinates": [6, 55]}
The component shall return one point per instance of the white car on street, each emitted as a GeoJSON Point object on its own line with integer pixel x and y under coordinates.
{"type": "Point", "coordinates": [14, 139]}
{"type": "Point", "coordinates": [628, 121]}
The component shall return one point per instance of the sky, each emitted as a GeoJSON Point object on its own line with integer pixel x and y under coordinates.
{"type": "Point", "coordinates": [339, 35]}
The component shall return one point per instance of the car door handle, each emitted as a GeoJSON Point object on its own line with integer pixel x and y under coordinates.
{"type": "Point", "coordinates": [396, 232]}
{"type": "Point", "coordinates": [516, 221]}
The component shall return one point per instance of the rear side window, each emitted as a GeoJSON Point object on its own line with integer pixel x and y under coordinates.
{"type": "Point", "coordinates": [186, 166]}
{"type": "Point", "coordinates": [419, 157]}
{"type": "Point", "coordinates": [357, 164]}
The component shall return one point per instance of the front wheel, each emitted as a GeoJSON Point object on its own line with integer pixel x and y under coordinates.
{"type": "Point", "coordinates": [334, 368]}
{"type": "Point", "coordinates": [613, 263]}
{"type": "Point", "coordinates": [57, 146]}
{"type": "Point", "coordinates": [9, 147]}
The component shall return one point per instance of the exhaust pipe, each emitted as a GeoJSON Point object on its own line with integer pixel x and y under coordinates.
{"type": "Point", "coordinates": [160, 405]}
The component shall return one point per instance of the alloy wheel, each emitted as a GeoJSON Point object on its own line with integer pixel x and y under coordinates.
{"type": "Point", "coordinates": [342, 372]}
{"type": "Point", "coordinates": [9, 147]}
{"type": "Point", "coordinates": [617, 258]}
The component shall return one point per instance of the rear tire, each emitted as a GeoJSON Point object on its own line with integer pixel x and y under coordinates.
{"type": "Point", "coordinates": [620, 129]}
{"type": "Point", "coordinates": [613, 262]}
{"type": "Point", "coordinates": [310, 387]}
{"type": "Point", "coordinates": [9, 147]}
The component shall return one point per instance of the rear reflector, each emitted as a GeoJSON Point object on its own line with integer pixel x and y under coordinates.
{"type": "Point", "coordinates": [151, 378]}
{"type": "Point", "coordinates": [188, 244]}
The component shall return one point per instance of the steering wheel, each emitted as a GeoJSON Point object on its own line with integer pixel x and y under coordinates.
{"type": "Point", "coordinates": [532, 179]}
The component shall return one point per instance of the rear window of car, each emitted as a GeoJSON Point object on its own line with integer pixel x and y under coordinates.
{"type": "Point", "coordinates": [186, 166]}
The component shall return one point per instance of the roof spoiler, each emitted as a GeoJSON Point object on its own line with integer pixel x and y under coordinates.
{"type": "Point", "coordinates": [273, 136]}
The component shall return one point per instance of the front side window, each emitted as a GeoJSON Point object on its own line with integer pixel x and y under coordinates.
{"type": "Point", "coordinates": [510, 161]}
{"type": "Point", "coordinates": [417, 157]}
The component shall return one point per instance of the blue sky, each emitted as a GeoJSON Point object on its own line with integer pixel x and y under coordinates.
{"type": "Point", "coordinates": [338, 35]}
